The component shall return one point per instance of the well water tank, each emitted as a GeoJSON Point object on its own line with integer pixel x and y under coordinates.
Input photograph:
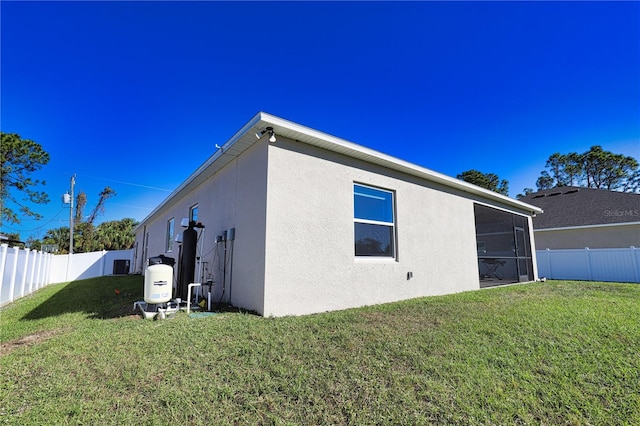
{"type": "Point", "coordinates": [158, 281]}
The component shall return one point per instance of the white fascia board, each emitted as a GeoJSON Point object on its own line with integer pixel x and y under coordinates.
{"type": "Point", "coordinates": [601, 225]}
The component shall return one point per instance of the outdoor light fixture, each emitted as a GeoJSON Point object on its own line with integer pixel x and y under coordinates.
{"type": "Point", "coordinates": [272, 135]}
{"type": "Point", "coordinates": [184, 222]}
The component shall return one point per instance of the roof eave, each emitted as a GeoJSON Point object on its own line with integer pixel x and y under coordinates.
{"type": "Point", "coordinates": [220, 151]}
{"type": "Point", "coordinates": [314, 137]}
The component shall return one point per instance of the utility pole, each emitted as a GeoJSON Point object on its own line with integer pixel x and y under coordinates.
{"type": "Point", "coordinates": [68, 199]}
{"type": "Point", "coordinates": [73, 183]}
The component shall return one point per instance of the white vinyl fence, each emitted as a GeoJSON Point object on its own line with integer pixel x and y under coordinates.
{"type": "Point", "coordinates": [613, 264]}
{"type": "Point", "coordinates": [80, 266]}
{"type": "Point", "coordinates": [24, 271]}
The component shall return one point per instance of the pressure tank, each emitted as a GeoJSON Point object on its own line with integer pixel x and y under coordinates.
{"type": "Point", "coordinates": [158, 281]}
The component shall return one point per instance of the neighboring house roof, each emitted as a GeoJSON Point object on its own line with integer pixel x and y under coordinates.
{"type": "Point", "coordinates": [245, 137]}
{"type": "Point", "coordinates": [572, 206]}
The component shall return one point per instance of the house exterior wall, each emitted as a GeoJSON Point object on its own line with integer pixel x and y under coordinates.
{"type": "Point", "coordinates": [235, 197]}
{"type": "Point", "coordinates": [618, 236]}
{"type": "Point", "coordinates": [311, 266]}
{"type": "Point", "coordinates": [292, 207]}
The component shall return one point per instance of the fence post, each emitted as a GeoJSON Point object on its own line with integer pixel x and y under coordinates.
{"type": "Point", "coordinates": [33, 269]}
{"type": "Point", "coordinates": [36, 273]}
{"type": "Point", "coordinates": [40, 269]}
{"type": "Point", "coordinates": [25, 269]}
{"type": "Point", "coordinates": [69, 256]}
{"type": "Point", "coordinates": [636, 267]}
{"type": "Point", "coordinates": [47, 257]}
{"type": "Point", "coordinates": [3, 259]}
{"type": "Point", "coordinates": [43, 272]}
{"type": "Point", "coordinates": [30, 271]}
{"type": "Point", "coordinates": [44, 269]}
{"type": "Point", "coordinates": [587, 252]}
{"type": "Point", "coordinates": [102, 262]}
{"type": "Point", "coordinates": [14, 270]}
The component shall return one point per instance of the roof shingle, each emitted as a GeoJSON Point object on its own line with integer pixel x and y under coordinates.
{"type": "Point", "coordinates": [575, 206]}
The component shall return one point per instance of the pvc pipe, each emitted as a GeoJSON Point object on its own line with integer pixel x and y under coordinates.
{"type": "Point", "coordinates": [189, 294]}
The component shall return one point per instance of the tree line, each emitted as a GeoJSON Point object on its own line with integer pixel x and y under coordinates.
{"type": "Point", "coordinates": [19, 159]}
{"type": "Point", "coordinates": [595, 168]}
{"type": "Point", "coordinates": [111, 235]}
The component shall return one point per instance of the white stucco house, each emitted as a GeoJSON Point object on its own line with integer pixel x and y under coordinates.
{"type": "Point", "coordinates": [297, 221]}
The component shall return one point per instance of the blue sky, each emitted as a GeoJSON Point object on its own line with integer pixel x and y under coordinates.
{"type": "Point", "coordinates": [135, 95]}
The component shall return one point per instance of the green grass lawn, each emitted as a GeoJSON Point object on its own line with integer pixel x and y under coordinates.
{"type": "Point", "coordinates": [544, 353]}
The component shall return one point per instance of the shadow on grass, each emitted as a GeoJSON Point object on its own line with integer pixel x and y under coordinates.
{"type": "Point", "coordinates": [222, 308]}
{"type": "Point", "coordinates": [103, 298]}
{"type": "Point", "coordinates": [100, 298]}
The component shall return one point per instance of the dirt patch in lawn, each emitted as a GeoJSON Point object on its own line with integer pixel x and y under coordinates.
{"type": "Point", "coordinates": [30, 340]}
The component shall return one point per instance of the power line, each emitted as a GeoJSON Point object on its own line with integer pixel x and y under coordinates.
{"type": "Point", "coordinates": [128, 183]}
{"type": "Point", "coordinates": [39, 227]}
{"type": "Point", "coordinates": [133, 207]}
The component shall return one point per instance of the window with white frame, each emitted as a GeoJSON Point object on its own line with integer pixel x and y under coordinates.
{"type": "Point", "coordinates": [170, 228]}
{"type": "Point", "coordinates": [374, 221]}
{"type": "Point", "coordinates": [193, 213]}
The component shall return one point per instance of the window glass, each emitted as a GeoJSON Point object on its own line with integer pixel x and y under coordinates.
{"type": "Point", "coordinates": [374, 225]}
{"type": "Point", "coordinates": [170, 227]}
{"type": "Point", "coordinates": [373, 204]}
{"type": "Point", "coordinates": [193, 214]}
{"type": "Point", "coordinates": [374, 240]}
